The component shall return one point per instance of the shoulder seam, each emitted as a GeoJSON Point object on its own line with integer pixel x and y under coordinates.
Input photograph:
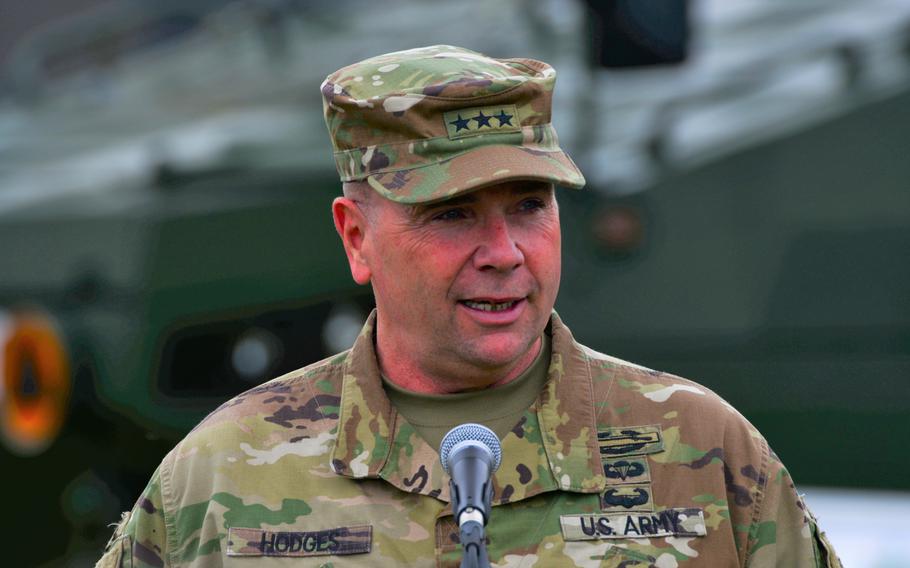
{"type": "Point", "coordinates": [312, 370]}
{"type": "Point", "coordinates": [604, 358]}
{"type": "Point", "coordinates": [591, 386]}
{"type": "Point", "coordinates": [170, 530]}
{"type": "Point", "coordinates": [315, 368]}
{"type": "Point", "coordinates": [759, 497]}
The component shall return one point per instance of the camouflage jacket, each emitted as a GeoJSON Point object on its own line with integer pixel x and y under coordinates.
{"type": "Point", "coordinates": [614, 465]}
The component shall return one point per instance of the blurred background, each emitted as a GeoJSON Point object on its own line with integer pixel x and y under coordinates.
{"type": "Point", "coordinates": [166, 241]}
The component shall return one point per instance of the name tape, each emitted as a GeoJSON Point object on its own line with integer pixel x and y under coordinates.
{"type": "Point", "coordinates": [335, 542]}
{"type": "Point", "coordinates": [669, 522]}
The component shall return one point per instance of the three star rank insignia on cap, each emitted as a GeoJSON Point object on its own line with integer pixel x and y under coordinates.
{"type": "Point", "coordinates": [481, 120]}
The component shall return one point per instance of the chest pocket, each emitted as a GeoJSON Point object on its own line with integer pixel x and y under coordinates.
{"type": "Point", "coordinates": [638, 555]}
{"type": "Point", "coordinates": [623, 553]}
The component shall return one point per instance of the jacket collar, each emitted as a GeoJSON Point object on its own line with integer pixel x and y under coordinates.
{"type": "Point", "coordinates": [558, 442]}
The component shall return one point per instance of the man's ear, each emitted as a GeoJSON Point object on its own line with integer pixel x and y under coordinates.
{"type": "Point", "coordinates": [351, 224]}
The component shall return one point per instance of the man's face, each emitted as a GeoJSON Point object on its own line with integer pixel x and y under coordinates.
{"type": "Point", "coordinates": [465, 286]}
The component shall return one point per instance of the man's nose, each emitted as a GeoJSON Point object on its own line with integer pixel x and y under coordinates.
{"type": "Point", "coordinates": [498, 249]}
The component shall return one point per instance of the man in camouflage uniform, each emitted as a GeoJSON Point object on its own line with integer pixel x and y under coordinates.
{"type": "Point", "coordinates": [449, 161]}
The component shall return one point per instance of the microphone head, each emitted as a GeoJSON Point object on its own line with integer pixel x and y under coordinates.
{"type": "Point", "coordinates": [473, 434]}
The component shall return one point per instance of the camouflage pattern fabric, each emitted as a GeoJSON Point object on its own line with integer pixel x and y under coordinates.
{"type": "Point", "coordinates": [614, 465]}
{"type": "Point", "coordinates": [429, 123]}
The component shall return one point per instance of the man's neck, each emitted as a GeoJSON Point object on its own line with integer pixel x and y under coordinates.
{"type": "Point", "coordinates": [408, 373]}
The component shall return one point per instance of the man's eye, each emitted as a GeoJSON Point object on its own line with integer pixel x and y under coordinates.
{"type": "Point", "coordinates": [449, 215]}
{"type": "Point", "coordinates": [532, 204]}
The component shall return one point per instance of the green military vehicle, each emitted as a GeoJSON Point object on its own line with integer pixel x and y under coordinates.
{"type": "Point", "coordinates": [164, 305]}
{"type": "Point", "coordinates": [167, 242]}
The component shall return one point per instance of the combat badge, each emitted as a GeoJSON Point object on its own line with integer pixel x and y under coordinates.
{"type": "Point", "coordinates": [630, 441]}
{"type": "Point", "coordinates": [627, 470]}
{"type": "Point", "coordinates": [334, 542]}
{"type": "Point", "coordinates": [626, 498]}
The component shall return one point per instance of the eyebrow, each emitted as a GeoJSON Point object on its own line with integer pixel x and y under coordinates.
{"type": "Point", "coordinates": [472, 197]}
{"type": "Point", "coordinates": [453, 202]}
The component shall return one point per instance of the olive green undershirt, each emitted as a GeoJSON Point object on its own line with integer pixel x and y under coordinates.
{"type": "Point", "coordinates": [499, 409]}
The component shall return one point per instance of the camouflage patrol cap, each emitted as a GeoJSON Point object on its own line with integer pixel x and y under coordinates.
{"type": "Point", "coordinates": [429, 123]}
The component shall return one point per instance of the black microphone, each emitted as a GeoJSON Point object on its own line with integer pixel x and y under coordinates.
{"type": "Point", "coordinates": [470, 453]}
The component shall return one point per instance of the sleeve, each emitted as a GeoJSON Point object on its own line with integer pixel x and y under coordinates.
{"type": "Point", "coordinates": [140, 539]}
{"type": "Point", "coordinates": [783, 531]}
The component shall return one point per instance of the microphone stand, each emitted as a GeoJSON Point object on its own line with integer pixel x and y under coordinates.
{"type": "Point", "coordinates": [470, 531]}
{"type": "Point", "coordinates": [474, 546]}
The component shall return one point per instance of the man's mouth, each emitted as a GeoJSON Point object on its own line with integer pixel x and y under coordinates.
{"type": "Point", "coordinates": [489, 305]}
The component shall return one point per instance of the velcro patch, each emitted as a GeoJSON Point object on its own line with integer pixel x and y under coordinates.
{"type": "Point", "coordinates": [630, 441]}
{"type": "Point", "coordinates": [627, 470]}
{"type": "Point", "coordinates": [669, 522]}
{"type": "Point", "coordinates": [335, 542]}
{"type": "Point", "coordinates": [627, 498]}
{"type": "Point", "coordinates": [480, 120]}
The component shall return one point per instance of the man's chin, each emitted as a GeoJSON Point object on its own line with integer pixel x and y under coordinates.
{"type": "Point", "coordinates": [501, 354]}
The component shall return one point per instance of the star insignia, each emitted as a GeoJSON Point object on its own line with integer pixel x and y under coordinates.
{"type": "Point", "coordinates": [460, 123]}
{"type": "Point", "coordinates": [504, 119]}
{"type": "Point", "coordinates": [482, 119]}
